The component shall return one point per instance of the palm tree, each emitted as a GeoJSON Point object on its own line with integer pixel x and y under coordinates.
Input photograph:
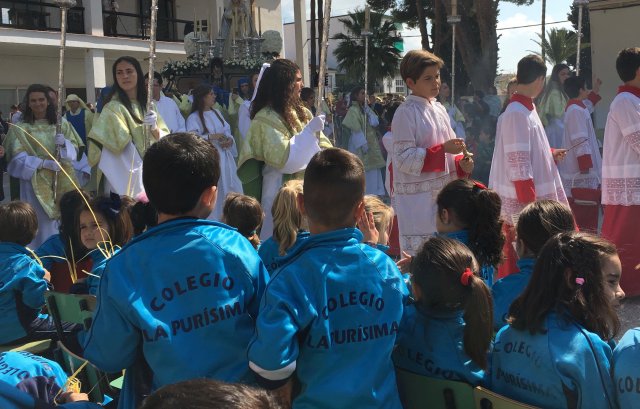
{"type": "Point", "coordinates": [560, 45]}
{"type": "Point", "coordinates": [383, 55]}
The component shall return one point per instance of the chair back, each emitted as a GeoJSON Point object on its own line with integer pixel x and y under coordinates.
{"type": "Point", "coordinates": [92, 380]}
{"type": "Point", "coordinates": [486, 399]}
{"type": "Point", "coordinates": [421, 392]}
{"type": "Point", "coordinates": [73, 308]}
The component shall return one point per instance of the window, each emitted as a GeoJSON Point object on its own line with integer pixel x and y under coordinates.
{"type": "Point", "coordinates": [399, 86]}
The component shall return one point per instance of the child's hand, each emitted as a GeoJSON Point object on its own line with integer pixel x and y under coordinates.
{"type": "Point", "coordinates": [559, 154]}
{"type": "Point", "coordinates": [226, 143]}
{"type": "Point", "coordinates": [405, 262]}
{"type": "Point", "coordinates": [368, 228]}
{"type": "Point", "coordinates": [596, 85]}
{"type": "Point", "coordinates": [47, 275]}
{"type": "Point", "coordinates": [467, 164]}
{"type": "Point", "coordinates": [73, 397]}
{"type": "Point", "coordinates": [453, 146]}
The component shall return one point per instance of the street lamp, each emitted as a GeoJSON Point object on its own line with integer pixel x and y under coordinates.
{"type": "Point", "coordinates": [453, 19]}
{"type": "Point", "coordinates": [580, 4]}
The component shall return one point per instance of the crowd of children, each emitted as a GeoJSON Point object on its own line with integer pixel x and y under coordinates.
{"type": "Point", "coordinates": [319, 314]}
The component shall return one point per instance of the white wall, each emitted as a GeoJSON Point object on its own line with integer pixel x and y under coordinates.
{"type": "Point", "coordinates": [613, 27]}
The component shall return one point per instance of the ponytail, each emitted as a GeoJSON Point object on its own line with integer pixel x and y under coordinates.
{"type": "Point", "coordinates": [478, 318]}
{"type": "Point", "coordinates": [477, 209]}
{"type": "Point", "coordinates": [445, 271]}
{"type": "Point", "coordinates": [287, 218]}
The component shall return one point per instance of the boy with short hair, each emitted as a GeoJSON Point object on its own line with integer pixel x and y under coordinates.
{"type": "Point", "coordinates": [331, 312]}
{"type": "Point", "coordinates": [583, 155]}
{"type": "Point", "coordinates": [523, 168]}
{"type": "Point", "coordinates": [423, 150]}
{"type": "Point", "coordinates": [23, 280]}
{"type": "Point", "coordinates": [621, 170]}
{"type": "Point", "coordinates": [178, 301]}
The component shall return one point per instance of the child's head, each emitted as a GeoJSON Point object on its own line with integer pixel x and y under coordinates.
{"type": "Point", "coordinates": [208, 393]}
{"type": "Point", "coordinates": [532, 71]}
{"type": "Point", "coordinates": [382, 216]}
{"type": "Point", "coordinates": [245, 214]}
{"type": "Point", "coordinates": [287, 217]}
{"type": "Point", "coordinates": [569, 279]}
{"type": "Point", "coordinates": [69, 204]}
{"type": "Point", "coordinates": [107, 222]}
{"type": "Point", "coordinates": [487, 131]}
{"type": "Point", "coordinates": [19, 223]}
{"type": "Point", "coordinates": [538, 222]}
{"type": "Point", "coordinates": [333, 190]}
{"type": "Point", "coordinates": [444, 277]}
{"type": "Point", "coordinates": [576, 87]}
{"type": "Point", "coordinates": [180, 175]}
{"type": "Point", "coordinates": [420, 70]}
{"type": "Point", "coordinates": [628, 64]}
{"type": "Point", "coordinates": [465, 204]}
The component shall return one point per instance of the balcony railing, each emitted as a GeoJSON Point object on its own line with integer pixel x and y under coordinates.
{"type": "Point", "coordinates": [131, 25]}
{"type": "Point", "coordinates": [35, 15]}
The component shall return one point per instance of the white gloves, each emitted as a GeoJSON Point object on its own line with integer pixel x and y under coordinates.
{"type": "Point", "coordinates": [151, 120]}
{"type": "Point", "coordinates": [49, 164]}
{"type": "Point", "coordinates": [316, 124]}
{"type": "Point", "coordinates": [60, 139]}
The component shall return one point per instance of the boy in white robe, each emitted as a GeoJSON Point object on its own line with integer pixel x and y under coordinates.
{"type": "Point", "coordinates": [582, 167]}
{"type": "Point", "coordinates": [523, 168]}
{"type": "Point", "coordinates": [621, 170]}
{"type": "Point", "coordinates": [423, 149]}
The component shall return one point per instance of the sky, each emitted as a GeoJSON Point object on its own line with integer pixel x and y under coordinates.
{"type": "Point", "coordinates": [514, 43]}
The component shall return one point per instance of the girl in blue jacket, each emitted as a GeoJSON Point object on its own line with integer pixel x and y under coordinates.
{"type": "Point", "coordinates": [245, 214]}
{"type": "Point", "coordinates": [537, 223]}
{"type": "Point", "coordinates": [554, 352]}
{"type": "Point", "coordinates": [447, 332]}
{"type": "Point", "coordinates": [470, 213]}
{"type": "Point", "coordinates": [289, 225]}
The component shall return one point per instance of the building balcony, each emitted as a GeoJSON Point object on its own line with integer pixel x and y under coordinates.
{"type": "Point", "coordinates": [134, 25]}
{"type": "Point", "coordinates": [39, 15]}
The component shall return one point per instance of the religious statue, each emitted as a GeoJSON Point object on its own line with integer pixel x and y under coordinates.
{"type": "Point", "coordinates": [237, 24]}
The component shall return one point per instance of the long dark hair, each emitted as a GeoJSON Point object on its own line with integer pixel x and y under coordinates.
{"type": "Point", "coordinates": [199, 93]}
{"type": "Point", "coordinates": [437, 270]}
{"type": "Point", "coordinates": [51, 116]}
{"type": "Point", "coordinates": [354, 95]}
{"type": "Point", "coordinates": [565, 259]}
{"type": "Point", "coordinates": [477, 209]}
{"type": "Point", "coordinates": [554, 81]}
{"type": "Point", "coordinates": [141, 89]}
{"type": "Point", "coordinates": [541, 220]}
{"type": "Point", "coordinates": [276, 91]}
{"type": "Point", "coordinates": [70, 205]}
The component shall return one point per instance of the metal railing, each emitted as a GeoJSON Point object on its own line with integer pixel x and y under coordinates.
{"type": "Point", "coordinates": [131, 25]}
{"type": "Point", "coordinates": [36, 15]}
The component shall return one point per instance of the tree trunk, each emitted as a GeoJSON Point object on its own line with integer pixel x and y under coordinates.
{"type": "Point", "coordinates": [544, 26]}
{"type": "Point", "coordinates": [439, 26]}
{"type": "Point", "coordinates": [312, 44]}
{"type": "Point", "coordinates": [422, 25]}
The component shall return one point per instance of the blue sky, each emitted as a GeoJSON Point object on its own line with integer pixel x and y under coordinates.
{"type": "Point", "coordinates": [513, 43]}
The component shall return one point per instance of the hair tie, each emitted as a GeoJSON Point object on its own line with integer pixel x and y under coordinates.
{"type": "Point", "coordinates": [466, 276]}
{"type": "Point", "coordinates": [262, 70]}
{"type": "Point", "coordinates": [111, 206]}
{"type": "Point", "coordinates": [478, 185]}
{"type": "Point", "coordinates": [579, 280]}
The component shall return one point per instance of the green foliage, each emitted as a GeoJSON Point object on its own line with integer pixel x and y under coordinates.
{"type": "Point", "coordinates": [559, 45]}
{"type": "Point", "coordinates": [383, 55]}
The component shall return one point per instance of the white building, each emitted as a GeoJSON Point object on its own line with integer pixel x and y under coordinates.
{"type": "Point", "coordinates": [30, 40]}
{"type": "Point", "coordinates": [390, 85]}
{"type": "Point", "coordinates": [612, 28]}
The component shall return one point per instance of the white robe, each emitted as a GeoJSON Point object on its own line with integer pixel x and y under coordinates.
{"type": "Point", "coordinates": [578, 126]}
{"type": "Point", "coordinates": [418, 124]}
{"type": "Point", "coordinates": [170, 113]}
{"type": "Point", "coordinates": [621, 162]}
{"type": "Point", "coordinates": [522, 152]}
{"type": "Point", "coordinates": [229, 181]}
{"type": "Point", "coordinates": [23, 167]}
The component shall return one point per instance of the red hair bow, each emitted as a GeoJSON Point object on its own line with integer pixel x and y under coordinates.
{"type": "Point", "coordinates": [466, 276]}
{"type": "Point", "coordinates": [479, 185]}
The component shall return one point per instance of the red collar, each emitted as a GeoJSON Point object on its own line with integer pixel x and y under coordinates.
{"type": "Point", "coordinates": [628, 88]}
{"type": "Point", "coordinates": [575, 101]}
{"type": "Point", "coordinates": [526, 101]}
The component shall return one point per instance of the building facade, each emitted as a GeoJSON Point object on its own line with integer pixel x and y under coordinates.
{"type": "Point", "coordinates": [99, 32]}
